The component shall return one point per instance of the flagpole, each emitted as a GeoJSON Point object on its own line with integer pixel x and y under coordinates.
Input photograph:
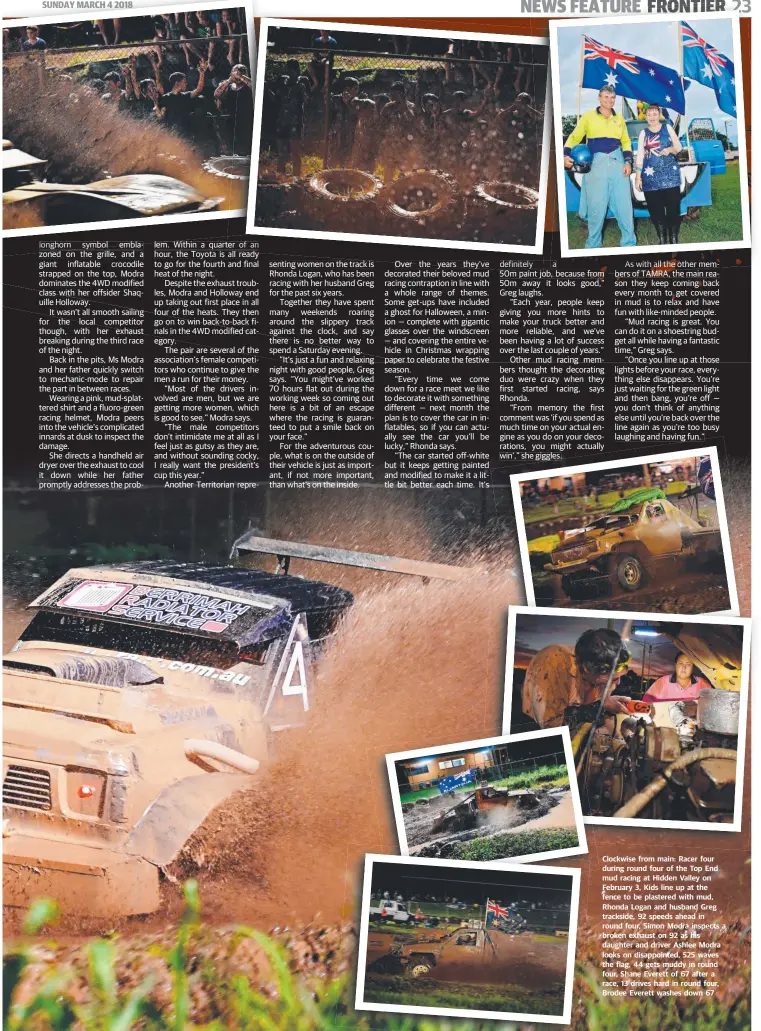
{"type": "Point", "coordinates": [581, 76]}
{"type": "Point", "coordinates": [680, 45]}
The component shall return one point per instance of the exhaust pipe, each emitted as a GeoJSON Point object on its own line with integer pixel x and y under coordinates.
{"type": "Point", "coordinates": [199, 751]}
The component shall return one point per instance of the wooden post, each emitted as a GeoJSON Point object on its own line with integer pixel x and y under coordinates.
{"type": "Point", "coordinates": [326, 129]}
{"type": "Point", "coordinates": [581, 76]}
{"type": "Point", "coordinates": [681, 83]}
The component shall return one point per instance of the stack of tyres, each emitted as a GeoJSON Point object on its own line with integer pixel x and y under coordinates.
{"type": "Point", "coordinates": [422, 203]}
{"type": "Point", "coordinates": [341, 200]}
{"type": "Point", "coordinates": [503, 212]}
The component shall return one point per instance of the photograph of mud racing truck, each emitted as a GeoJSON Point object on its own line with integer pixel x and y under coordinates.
{"type": "Point", "coordinates": [488, 800]}
{"type": "Point", "coordinates": [655, 528]}
{"type": "Point", "coordinates": [142, 695]}
{"type": "Point", "coordinates": [656, 708]}
{"type": "Point", "coordinates": [480, 941]}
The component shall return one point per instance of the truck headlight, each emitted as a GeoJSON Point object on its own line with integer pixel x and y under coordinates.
{"type": "Point", "coordinates": [85, 792]}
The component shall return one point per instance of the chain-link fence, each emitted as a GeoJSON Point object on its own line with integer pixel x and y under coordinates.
{"type": "Point", "coordinates": [468, 111]}
{"type": "Point", "coordinates": [510, 773]}
{"type": "Point", "coordinates": [136, 60]}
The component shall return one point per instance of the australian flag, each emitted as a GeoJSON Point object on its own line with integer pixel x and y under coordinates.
{"type": "Point", "coordinates": [706, 65]}
{"type": "Point", "coordinates": [631, 76]}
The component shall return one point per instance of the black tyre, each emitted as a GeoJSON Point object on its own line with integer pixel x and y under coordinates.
{"type": "Point", "coordinates": [573, 586]}
{"type": "Point", "coordinates": [628, 573]}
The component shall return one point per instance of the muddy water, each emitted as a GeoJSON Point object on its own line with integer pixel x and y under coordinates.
{"type": "Point", "coordinates": [516, 959]}
{"type": "Point", "coordinates": [562, 815]}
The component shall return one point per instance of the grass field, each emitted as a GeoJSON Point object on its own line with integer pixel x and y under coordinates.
{"type": "Point", "coordinates": [543, 776]}
{"type": "Point", "coordinates": [101, 991]}
{"type": "Point", "coordinates": [516, 843]}
{"type": "Point", "coordinates": [721, 221]}
{"type": "Point", "coordinates": [487, 998]}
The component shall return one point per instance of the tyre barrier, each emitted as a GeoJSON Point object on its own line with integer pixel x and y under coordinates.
{"type": "Point", "coordinates": [229, 166]}
{"type": "Point", "coordinates": [421, 203]}
{"type": "Point", "coordinates": [342, 199]}
{"type": "Point", "coordinates": [503, 212]}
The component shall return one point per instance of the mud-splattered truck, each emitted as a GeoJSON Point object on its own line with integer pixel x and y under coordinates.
{"type": "Point", "coordinates": [625, 545]}
{"type": "Point", "coordinates": [438, 956]}
{"type": "Point", "coordinates": [141, 696]}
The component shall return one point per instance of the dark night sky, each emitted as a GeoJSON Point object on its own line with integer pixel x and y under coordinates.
{"type": "Point", "coordinates": [471, 884]}
{"type": "Point", "coordinates": [535, 631]}
{"type": "Point", "coordinates": [518, 751]}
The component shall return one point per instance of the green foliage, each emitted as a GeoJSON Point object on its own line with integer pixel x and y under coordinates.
{"type": "Point", "coordinates": [516, 843]}
{"type": "Point", "coordinates": [295, 1003]}
{"type": "Point", "coordinates": [544, 776]}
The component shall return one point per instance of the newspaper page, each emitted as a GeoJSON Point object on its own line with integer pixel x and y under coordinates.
{"type": "Point", "coordinates": [377, 515]}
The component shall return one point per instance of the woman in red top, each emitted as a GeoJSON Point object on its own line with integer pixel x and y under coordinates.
{"type": "Point", "coordinates": [680, 686]}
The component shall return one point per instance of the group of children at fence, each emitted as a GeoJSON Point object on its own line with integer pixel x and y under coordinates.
{"type": "Point", "coordinates": [194, 81]}
{"type": "Point", "coordinates": [470, 133]}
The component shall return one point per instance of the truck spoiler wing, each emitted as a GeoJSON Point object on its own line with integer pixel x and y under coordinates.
{"type": "Point", "coordinates": [286, 550]}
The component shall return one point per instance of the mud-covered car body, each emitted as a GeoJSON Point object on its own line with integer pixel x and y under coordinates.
{"type": "Point", "coordinates": [138, 698]}
{"type": "Point", "coordinates": [437, 956]}
{"type": "Point", "coordinates": [624, 542]}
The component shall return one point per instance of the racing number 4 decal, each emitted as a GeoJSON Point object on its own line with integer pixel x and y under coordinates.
{"type": "Point", "coordinates": [291, 676]}
{"type": "Point", "coordinates": [296, 665]}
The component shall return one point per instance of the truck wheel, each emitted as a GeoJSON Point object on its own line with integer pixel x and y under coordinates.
{"type": "Point", "coordinates": [573, 586]}
{"type": "Point", "coordinates": [419, 968]}
{"type": "Point", "coordinates": [629, 573]}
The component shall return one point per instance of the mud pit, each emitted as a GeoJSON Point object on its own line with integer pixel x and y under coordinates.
{"type": "Point", "coordinates": [524, 962]}
{"type": "Point", "coordinates": [420, 820]}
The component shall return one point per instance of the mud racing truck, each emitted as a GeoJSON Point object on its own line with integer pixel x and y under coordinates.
{"type": "Point", "coordinates": [142, 695]}
{"type": "Point", "coordinates": [624, 546]}
{"type": "Point", "coordinates": [437, 956]}
{"type": "Point", "coordinates": [390, 909]}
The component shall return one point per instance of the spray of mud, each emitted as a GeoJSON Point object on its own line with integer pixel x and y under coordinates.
{"type": "Point", "coordinates": [414, 664]}
{"type": "Point", "coordinates": [85, 140]}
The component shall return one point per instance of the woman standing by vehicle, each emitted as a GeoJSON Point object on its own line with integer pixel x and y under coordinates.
{"type": "Point", "coordinates": [658, 175]}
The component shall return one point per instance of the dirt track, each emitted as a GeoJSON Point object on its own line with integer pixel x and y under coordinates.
{"type": "Point", "coordinates": [519, 960]}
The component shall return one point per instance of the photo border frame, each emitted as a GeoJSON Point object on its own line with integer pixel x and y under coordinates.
{"type": "Point", "coordinates": [390, 30]}
{"type": "Point", "coordinates": [604, 615]}
{"type": "Point", "coordinates": [517, 478]}
{"type": "Point", "coordinates": [706, 246]}
{"type": "Point", "coordinates": [504, 739]}
{"type": "Point", "coordinates": [148, 220]}
{"type": "Point", "coordinates": [530, 1018]}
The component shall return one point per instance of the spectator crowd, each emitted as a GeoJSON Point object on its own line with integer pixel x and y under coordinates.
{"type": "Point", "coordinates": [470, 112]}
{"type": "Point", "coordinates": [187, 71]}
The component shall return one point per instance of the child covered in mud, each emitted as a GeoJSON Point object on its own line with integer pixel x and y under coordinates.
{"type": "Point", "coordinates": [234, 99]}
{"type": "Point", "coordinates": [399, 132]}
{"type": "Point", "coordinates": [364, 148]}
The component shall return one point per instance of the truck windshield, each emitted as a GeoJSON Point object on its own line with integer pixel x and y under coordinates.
{"type": "Point", "coordinates": [90, 632]}
{"type": "Point", "coordinates": [613, 522]}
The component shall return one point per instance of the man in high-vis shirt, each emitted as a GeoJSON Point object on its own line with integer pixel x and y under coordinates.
{"type": "Point", "coordinates": [607, 183]}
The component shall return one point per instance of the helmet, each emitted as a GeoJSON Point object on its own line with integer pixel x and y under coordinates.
{"type": "Point", "coordinates": [581, 156]}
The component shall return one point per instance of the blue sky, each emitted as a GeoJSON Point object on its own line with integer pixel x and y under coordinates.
{"type": "Point", "coordinates": [657, 42]}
